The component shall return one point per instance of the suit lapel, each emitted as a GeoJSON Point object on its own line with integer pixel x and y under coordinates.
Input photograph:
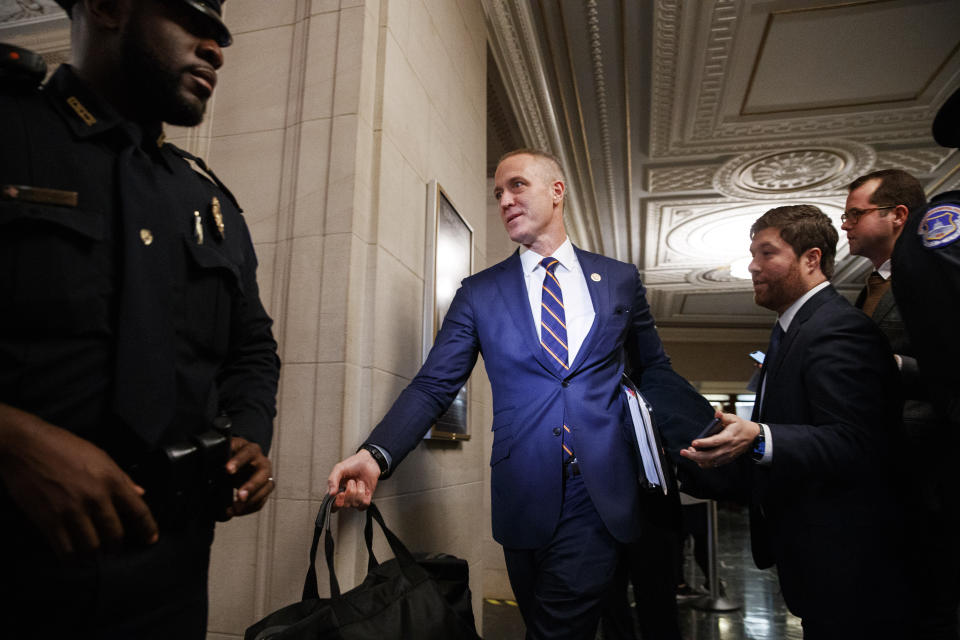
{"type": "Point", "coordinates": [804, 314]}
{"type": "Point", "coordinates": [771, 370]}
{"type": "Point", "coordinates": [599, 297]}
{"type": "Point", "coordinates": [513, 288]}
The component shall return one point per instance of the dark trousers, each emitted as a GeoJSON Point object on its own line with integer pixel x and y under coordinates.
{"type": "Point", "coordinates": [935, 571]}
{"type": "Point", "coordinates": [650, 565]}
{"type": "Point", "coordinates": [934, 530]}
{"type": "Point", "coordinates": [694, 525]}
{"type": "Point", "coordinates": [143, 592]}
{"type": "Point", "coordinates": [560, 587]}
{"type": "Point", "coordinates": [848, 583]}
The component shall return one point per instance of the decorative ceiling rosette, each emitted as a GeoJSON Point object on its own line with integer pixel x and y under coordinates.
{"type": "Point", "coordinates": [823, 167]}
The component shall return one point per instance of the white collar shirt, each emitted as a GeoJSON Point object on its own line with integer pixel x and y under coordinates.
{"type": "Point", "coordinates": [577, 304]}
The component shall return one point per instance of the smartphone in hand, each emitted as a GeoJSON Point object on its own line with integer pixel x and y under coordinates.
{"type": "Point", "coordinates": [757, 356]}
{"type": "Point", "coordinates": [714, 427]}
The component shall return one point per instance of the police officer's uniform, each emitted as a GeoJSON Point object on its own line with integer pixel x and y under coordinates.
{"type": "Point", "coordinates": [130, 316]}
{"type": "Point", "coordinates": [926, 262]}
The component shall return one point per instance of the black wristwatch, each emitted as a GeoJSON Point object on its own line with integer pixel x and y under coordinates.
{"type": "Point", "coordinates": [759, 446]}
{"type": "Point", "coordinates": [379, 457]}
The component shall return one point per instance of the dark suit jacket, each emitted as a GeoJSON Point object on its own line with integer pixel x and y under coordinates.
{"type": "Point", "coordinates": [887, 316]}
{"type": "Point", "coordinates": [823, 509]}
{"type": "Point", "coordinates": [490, 314]}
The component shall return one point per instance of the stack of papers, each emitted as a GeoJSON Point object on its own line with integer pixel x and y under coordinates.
{"type": "Point", "coordinates": [642, 415]}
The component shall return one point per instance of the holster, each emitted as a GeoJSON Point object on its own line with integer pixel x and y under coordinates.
{"type": "Point", "coordinates": [188, 478]}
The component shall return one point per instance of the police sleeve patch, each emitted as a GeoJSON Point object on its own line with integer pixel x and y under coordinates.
{"type": "Point", "coordinates": [940, 226]}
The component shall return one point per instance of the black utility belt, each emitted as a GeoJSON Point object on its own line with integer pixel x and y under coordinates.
{"type": "Point", "coordinates": [188, 478]}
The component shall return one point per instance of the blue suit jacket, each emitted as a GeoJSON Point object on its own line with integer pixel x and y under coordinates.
{"type": "Point", "coordinates": [490, 314]}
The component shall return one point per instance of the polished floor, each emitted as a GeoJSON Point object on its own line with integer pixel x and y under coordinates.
{"type": "Point", "coordinates": [762, 614]}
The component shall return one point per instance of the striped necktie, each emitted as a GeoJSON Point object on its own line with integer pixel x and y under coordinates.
{"type": "Point", "coordinates": [553, 323]}
{"type": "Point", "coordinates": [553, 334]}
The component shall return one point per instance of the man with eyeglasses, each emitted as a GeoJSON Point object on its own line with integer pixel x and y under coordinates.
{"type": "Point", "coordinates": [878, 205]}
{"type": "Point", "coordinates": [926, 262]}
{"type": "Point", "coordinates": [876, 210]}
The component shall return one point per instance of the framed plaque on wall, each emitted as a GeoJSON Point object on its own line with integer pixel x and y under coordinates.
{"type": "Point", "coordinates": [449, 259]}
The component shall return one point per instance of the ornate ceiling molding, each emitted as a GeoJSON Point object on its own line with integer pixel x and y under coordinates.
{"type": "Point", "coordinates": [791, 172]}
{"type": "Point", "coordinates": [688, 88]}
{"type": "Point", "coordinates": [511, 31]}
{"type": "Point", "coordinates": [27, 12]}
{"type": "Point", "coordinates": [919, 162]}
{"type": "Point", "coordinates": [600, 103]}
{"type": "Point", "coordinates": [682, 178]}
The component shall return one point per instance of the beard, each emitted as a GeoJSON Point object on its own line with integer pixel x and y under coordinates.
{"type": "Point", "coordinates": [779, 294]}
{"type": "Point", "coordinates": [157, 87]}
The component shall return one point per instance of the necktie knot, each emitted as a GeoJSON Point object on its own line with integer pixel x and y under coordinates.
{"type": "Point", "coordinates": [877, 286]}
{"type": "Point", "coordinates": [550, 264]}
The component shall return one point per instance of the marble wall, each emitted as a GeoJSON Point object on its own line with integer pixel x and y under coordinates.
{"type": "Point", "coordinates": [330, 120]}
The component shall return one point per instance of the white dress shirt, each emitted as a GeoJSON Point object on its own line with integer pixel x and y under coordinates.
{"type": "Point", "coordinates": [885, 269]}
{"type": "Point", "coordinates": [577, 305]}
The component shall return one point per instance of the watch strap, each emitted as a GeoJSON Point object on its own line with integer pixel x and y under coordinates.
{"type": "Point", "coordinates": [379, 458]}
{"type": "Point", "coordinates": [759, 446]}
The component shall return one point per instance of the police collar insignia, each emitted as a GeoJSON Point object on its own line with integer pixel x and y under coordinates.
{"type": "Point", "coordinates": [940, 226]}
{"type": "Point", "coordinates": [81, 111]}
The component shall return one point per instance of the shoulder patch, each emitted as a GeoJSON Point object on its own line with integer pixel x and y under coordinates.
{"type": "Point", "coordinates": [940, 226]}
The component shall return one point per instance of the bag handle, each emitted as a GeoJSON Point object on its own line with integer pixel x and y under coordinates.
{"type": "Point", "coordinates": [368, 539]}
{"type": "Point", "coordinates": [310, 591]}
{"type": "Point", "coordinates": [401, 553]}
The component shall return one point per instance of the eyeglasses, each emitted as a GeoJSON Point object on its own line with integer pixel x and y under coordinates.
{"type": "Point", "coordinates": [854, 215]}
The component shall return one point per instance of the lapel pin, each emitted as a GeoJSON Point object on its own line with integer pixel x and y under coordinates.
{"type": "Point", "coordinates": [146, 237]}
{"type": "Point", "coordinates": [197, 227]}
{"type": "Point", "coordinates": [217, 216]}
{"type": "Point", "coordinates": [595, 277]}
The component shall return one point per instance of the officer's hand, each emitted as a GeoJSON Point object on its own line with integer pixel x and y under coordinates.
{"type": "Point", "coordinates": [358, 476]}
{"type": "Point", "coordinates": [251, 470]}
{"type": "Point", "coordinates": [726, 446]}
{"type": "Point", "coordinates": [73, 492]}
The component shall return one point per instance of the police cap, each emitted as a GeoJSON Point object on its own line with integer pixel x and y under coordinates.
{"type": "Point", "coordinates": [211, 9]}
{"type": "Point", "coordinates": [946, 126]}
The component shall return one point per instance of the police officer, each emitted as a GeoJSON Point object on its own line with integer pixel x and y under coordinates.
{"type": "Point", "coordinates": [926, 261]}
{"type": "Point", "coordinates": [131, 334]}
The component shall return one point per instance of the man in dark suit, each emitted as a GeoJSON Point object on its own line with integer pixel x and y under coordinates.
{"type": "Point", "coordinates": [555, 339]}
{"type": "Point", "coordinates": [823, 508]}
{"type": "Point", "coordinates": [877, 207]}
{"type": "Point", "coordinates": [875, 215]}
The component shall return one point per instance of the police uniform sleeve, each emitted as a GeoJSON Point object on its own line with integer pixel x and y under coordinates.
{"type": "Point", "coordinates": [248, 378]}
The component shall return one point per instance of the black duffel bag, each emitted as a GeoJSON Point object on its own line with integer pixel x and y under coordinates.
{"type": "Point", "coordinates": [423, 596]}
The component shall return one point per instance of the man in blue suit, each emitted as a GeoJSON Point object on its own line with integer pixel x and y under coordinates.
{"type": "Point", "coordinates": [557, 327]}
